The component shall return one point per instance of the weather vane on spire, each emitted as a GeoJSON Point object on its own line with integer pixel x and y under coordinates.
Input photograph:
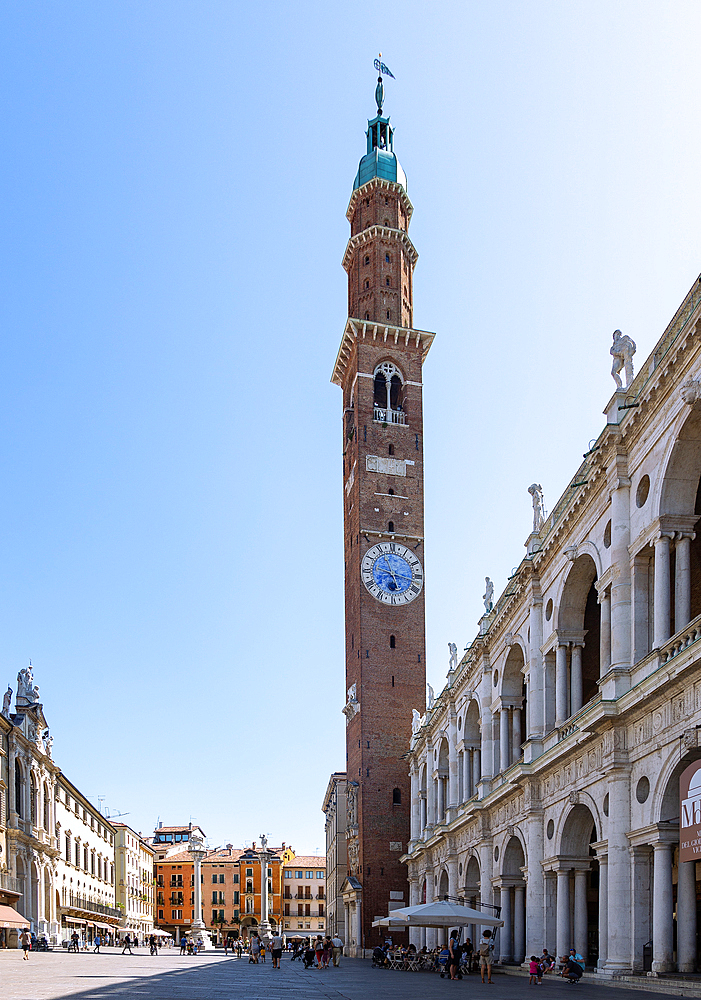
{"type": "Point", "coordinates": [379, 89]}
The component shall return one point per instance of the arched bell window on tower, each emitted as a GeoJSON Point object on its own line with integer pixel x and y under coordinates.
{"type": "Point", "coordinates": [389, 395]}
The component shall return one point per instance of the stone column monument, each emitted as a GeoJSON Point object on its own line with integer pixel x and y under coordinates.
{"type": "Point", "coordinates": [198, 932]}
{"type": "Point", "coordinates": [264, 926]}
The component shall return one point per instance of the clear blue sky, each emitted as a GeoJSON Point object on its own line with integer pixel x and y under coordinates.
{"type": "Point", "coordinates": [174, 183]}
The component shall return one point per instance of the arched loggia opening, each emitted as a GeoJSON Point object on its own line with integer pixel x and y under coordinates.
{"type": "Point", "coordinates": [675, 910]}
{"type": "Point", "coordinates": [470, 764]}
{"type": "Point", "coordinates": [441, 791]}
{"type": "Point", "coordinates": [512, 899]}
{"type": "Point", "coordinates": [577, 663]}
{"type": "Point", "coordinates": [577, 886]}
{"type": "Point", "coordinates": [388, 394]}
{"type": "Point", "coordinates": [513, 709]}
{"type": "Point", "coordinates": [472, 894]}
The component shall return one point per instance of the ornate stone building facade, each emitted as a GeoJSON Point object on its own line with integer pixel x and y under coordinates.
{"type": "Point", "coordinates": [44, 815]}
{"type": "Point", "coordinates": [545, 776]}
{"type": "Point", "coordinates": [334, 809]}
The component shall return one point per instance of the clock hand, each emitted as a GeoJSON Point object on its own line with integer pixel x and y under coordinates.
{"type": "Point", "coordinates": [391, 572]}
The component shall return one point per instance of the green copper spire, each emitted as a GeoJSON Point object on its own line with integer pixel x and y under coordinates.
{"type": "Point", "coordinates": [380, 159]}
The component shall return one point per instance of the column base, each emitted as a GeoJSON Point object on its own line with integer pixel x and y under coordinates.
{"type": "Point", "coordinates": [201, 936]}
{"type": "Point", "coordinates": [613, 968]}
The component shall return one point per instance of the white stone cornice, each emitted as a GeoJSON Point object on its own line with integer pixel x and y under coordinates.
{"type": "Point", "coordinates": [358, 329]}
{"type": "Point", "coordinates": [383, 185]}
{"type": "Point", "coordinates": [373, 233]}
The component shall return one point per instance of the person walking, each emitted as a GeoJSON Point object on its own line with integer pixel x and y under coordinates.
{"type": "Point", "coordinates": [277, 949]}
{"type": "Point", "coordinates": [183, 945]}
{"type": "Point", "coordinates": [152, 944]}
{"type": "Point", "coordinates": [255, 949]}
{"type": "Point", "coordinates": [455, 953]}
{"type": "Point", "coordinates": [319, 951]}
{"type": "Point", "coordinates": [75, 942]}
{"type": "Point", "coordinates": [127, 944]}
{"type": "Point", "coordinates": [485, 952]}
{"type": "Point", "coordinates": [97, 942]}
{"type": "Point", "coordinates": [337, 948]}
{"type": "Point", "coordinates": [26, 942]}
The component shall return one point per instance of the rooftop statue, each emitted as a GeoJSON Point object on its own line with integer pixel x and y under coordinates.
{"type": "Point", "coordinates": [536, 491]}
{"type": "Point", "coordinates": [453, 655]}
{"type": "Point", "coordinates": [6, 699]}
{"type": "Point", "coordinates": [488, 597]}
{"type": "Point", "coordinates": [623, 349]}
{"type": "Point", "coordinates": [431, 696]}
{"type": "Point", "coordinates": [25, 686]}
{"type": "Point", "coordinates": [415, 721]}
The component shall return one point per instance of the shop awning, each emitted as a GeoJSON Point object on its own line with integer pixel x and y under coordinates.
{"type": "Point", "coordinates": [9, 917]}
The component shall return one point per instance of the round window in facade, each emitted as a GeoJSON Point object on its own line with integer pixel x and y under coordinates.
{"type": "Point", "coordinates": [607, 535]}
{"type": "Point", "coordinates": [642, 789]}
{"type": "Point", "coordinates": [606, 804]}
{"type": "Point", "coordinates": [496, 853]}
{"type": "Point", "coordinates": [642, 492]}
{"type": "Point", "coordinates": [551, 829]}
{"type": "Point", "coordinates": [549, 610]}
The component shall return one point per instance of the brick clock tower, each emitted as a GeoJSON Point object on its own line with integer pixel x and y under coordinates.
{"type": "Point", "coordinates": [379, 369]}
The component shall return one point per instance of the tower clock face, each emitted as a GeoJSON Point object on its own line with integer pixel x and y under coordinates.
{"type": "Point", "coordinates": [392, 573]}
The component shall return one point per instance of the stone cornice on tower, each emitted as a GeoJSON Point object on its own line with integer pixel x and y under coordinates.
{"type": "Point", "coordinates": [379, 183]}
{"type": "Point", "coordinates": [383, 232]}
{"type": "Point", "coordinates": [359, 329]}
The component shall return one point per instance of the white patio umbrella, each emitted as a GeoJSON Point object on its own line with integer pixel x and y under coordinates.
{"type": "Point", "coordinates": [441, 913]}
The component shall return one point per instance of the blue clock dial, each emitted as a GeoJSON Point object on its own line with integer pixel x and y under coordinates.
{"type": "Point", "coordinates": [392, 573]}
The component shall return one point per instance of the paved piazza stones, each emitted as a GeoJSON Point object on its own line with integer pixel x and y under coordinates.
{"type": "Point", "coordinates": [172, 977]}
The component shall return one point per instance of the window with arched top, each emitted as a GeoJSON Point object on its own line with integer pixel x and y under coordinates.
{"type": "Point", "coordinates": [388, 394]}
{"type": "Point", "coordinates": [389, 314]}
{"type": "Point", "coordinates": [47, 819]}
{"type": "Point", "coordinates": [367, 259]}
{"type": "Point", "coordinates": [390, 526]}
{"type": "Point", "coordinates": [367, 283]}
{"type": "Point", "coordinates": [387, 281]}
{"type": "Point", "coordinates": [367, 315]}
{"type": "Point", "coordinates": [390, 449]}
{"type": "Point", "coordinates": [396, 796]}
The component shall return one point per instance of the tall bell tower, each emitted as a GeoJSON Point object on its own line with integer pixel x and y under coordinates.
{"type": "Point", "coordinates": [379, 369]}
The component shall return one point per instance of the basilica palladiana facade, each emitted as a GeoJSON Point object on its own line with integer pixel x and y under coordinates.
{"type": "Point", "coordinates": [545, 776]}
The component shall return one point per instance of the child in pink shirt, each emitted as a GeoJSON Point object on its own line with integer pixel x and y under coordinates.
{"type": "Point", "coordinates": [534, 970]}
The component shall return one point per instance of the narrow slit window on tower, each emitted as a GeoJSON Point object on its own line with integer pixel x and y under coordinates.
{"type": "Point", "coordinates": [388, 314]}
{"type": "Point", "coordinates": [390, 526]}
{"type": "Point", "coordinates": [392, 680]}
{"type": "Point", "coordinates": [396, 796]}
{"type": "Point", "coordinates": [367, 283]}
{"type": "Point", "coordinates": [367, 259]}
{"type": "Point", "coordinates": [387, 281]}
{"type": "Point", "coordinates": [387, 258]}
{"type": "Point", "coordinates": [392, 642]}
{"type": "Point", "coordinates": [367, 315]}
{"type": "Point", "coordinates": [391, 491]}
{"type": "Point", "coordinates": [390, 450]}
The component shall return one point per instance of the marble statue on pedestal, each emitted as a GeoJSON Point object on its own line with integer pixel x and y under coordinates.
{"type": "Point", "coordinates": [488, 597]}
{"type": "Point", "coordinates": [431, 696]}
{"type": "Point", "coordinates": [536, 491]}
{"type": "Point", "coordinates": [26, 690]}
{"type": "Point", "coordinates": [6, 700]}
{"type": "Point", "coordinates": [453, 649]}
{"type": "Point", "coordinates": [622, 349]}
{"type": "Point", "coordinates": [415, 721]}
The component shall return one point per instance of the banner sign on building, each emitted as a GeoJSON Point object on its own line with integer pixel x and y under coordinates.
{"type": "Point", "coordinates": [690, 813]}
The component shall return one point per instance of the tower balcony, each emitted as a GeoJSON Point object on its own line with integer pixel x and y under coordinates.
{"type": "Point", "coordinates": [382, 415]}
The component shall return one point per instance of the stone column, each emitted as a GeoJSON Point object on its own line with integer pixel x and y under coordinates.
{"type": "Point", "coordinates": [516, 734]}
{"type": "Point", "coordinates": [619, 895]}
{"type": "Point", "coordinates": [504, 760]}
{"type": "Point", "coordinates": [580, 913]}
{"type": "Point", "coordinates": [440, 791]}
{"type": "Point", "coordinates": [506, 931]}
{"type": "Point", "coordinates": [476, 768]}
{"type": "Point", "coordinates": [549, 711]}
{"type": "Point", "coordinates": [682, 583]}
{"type": "Point", "coordinates": [536, 692]}
{"type": "Point", "coordinates": [520, 923]}
{"type": "Point", "coordinates": [535, 884]}
{"type": "Point", "coordinates": [486, 745]}
{"type": "Point", "coordinates": [605, 633]}
{"type": "Point", "coordinates": [431, 795]}
{"type": "Point", "coordinates": [563, 912]}
{"type": "Point", "coordinates": [467, 774]}
{"type": "Point", "coordinates": [620, 566]}
{"type": "Point", "coordinates": [422, 800]}
{"type": "Point", "coordinates": [415, 804]}
{"type": "Point", "coordinates": [603, 911]}
{"type": "Point", "coordinates": [686, 917]}
{"type": "Point", "coordinates": [561, 685]}
{"type": "Point", "coordinates": [662, 592]}
{"type": "Point", "coordinates": [453, 875]}
{"type": "Point", "coordinates": [662, 906]}
{"type": "Point", "coordinates": [576, 678]}
{"type": "Point", "coordinates": [452, 803]}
